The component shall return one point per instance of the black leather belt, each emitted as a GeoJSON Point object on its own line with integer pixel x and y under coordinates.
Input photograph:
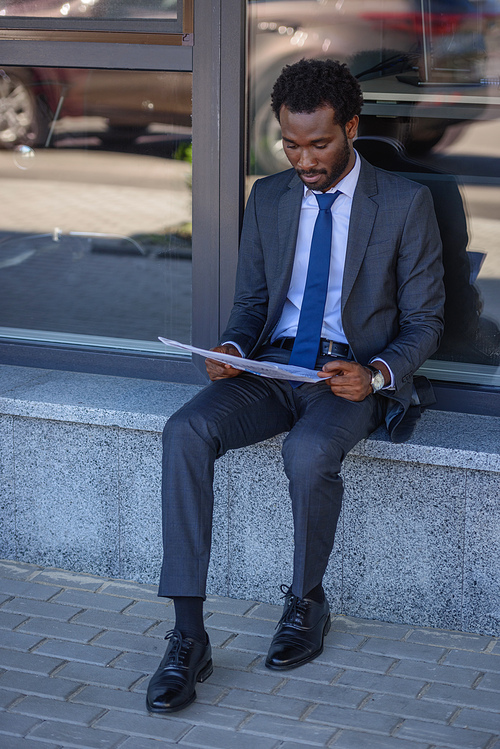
{"type": "Point", "coordinates": [326, 347]}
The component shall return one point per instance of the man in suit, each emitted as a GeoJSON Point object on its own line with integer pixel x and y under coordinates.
{"type": "Point", "coordinates": [365, 321]}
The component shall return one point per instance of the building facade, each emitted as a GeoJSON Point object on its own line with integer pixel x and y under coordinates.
{"type": "Point", "coordinates": [130, 134]}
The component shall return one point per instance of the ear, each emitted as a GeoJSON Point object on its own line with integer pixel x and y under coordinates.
{"type": "Point", "coordinates": [351, 128]}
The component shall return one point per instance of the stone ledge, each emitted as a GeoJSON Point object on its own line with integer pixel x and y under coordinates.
{"type": "Point", "coordinates": [417, 541]}
{"type": "Point", "coordinates": [441, 438]}
{"type": "Point", "coordinates": [100, 400]}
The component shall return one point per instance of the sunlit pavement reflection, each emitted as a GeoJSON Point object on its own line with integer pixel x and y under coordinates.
{"type": "Point", "coordinates": [93, 191]}
{"type": "Point", "coordinates": [86, 286]}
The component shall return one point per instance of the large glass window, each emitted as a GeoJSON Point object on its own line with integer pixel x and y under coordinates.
{"type": "Point", "coordinates": [90, 8]}
{"type": "Point", "coordinates": [174, 16]}
{"type": "Point", "coordinates": [430, 74]}
{"type": "Point", "coordinates": [95, 227]}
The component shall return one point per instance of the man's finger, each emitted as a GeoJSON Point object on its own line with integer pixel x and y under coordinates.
{"type": "Point", "coordinates": [334, 366]}
{"type": "Point", "coordinates": [218, 364]}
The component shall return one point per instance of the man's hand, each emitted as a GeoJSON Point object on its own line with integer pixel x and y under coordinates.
{"type": "Point", "coordinates": [348, 379]}
{"type": "Point", "coordinates": [218, 370]}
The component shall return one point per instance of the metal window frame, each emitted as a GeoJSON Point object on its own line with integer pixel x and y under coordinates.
{"type": "Point", "coordinates": [181, 25]}
{"type": "Point", "coordinates": [218, 171]}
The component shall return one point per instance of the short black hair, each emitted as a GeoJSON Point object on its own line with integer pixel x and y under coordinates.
{"type": "Point", "coordinates": [308, 85]}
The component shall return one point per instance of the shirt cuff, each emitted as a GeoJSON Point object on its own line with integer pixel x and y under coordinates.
{"type": "Point", "coordinates": [392, 385]}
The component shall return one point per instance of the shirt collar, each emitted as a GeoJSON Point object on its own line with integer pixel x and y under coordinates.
{"type": "Point", "coordinates": [347, 184]}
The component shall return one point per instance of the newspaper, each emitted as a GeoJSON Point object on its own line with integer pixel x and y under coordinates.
{"type": "Point", "coordinates": [262, 368]}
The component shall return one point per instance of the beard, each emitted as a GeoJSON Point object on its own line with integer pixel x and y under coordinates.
{"type": "Point", "coordinates": [336, 171]}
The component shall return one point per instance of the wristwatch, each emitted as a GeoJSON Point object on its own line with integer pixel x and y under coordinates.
{"type": "Point", "coordinates": [378, 379]}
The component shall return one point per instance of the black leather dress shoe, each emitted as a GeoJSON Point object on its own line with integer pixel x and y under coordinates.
{"type": "Point", "coordinates": [185, 662]}
{"type": "Point", "coordinates": [300, 633]}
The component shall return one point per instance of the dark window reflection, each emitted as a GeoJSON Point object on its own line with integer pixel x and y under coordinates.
{"type": "Point", "coordinates": [430, 74]}
{"type": "Point", "coordinates": [469, 336]}
{"type": "Point", "coordinates": [95, 228]}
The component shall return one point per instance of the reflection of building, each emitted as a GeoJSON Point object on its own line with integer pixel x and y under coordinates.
{"type": "Point", "coordinates": [97, 259]}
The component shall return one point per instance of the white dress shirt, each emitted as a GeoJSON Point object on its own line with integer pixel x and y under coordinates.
{"type": "Point", "coordinates": [341, 213]}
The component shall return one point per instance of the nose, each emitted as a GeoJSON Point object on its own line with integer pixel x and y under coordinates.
{"type": "Point", "coordinates": [306, 160]}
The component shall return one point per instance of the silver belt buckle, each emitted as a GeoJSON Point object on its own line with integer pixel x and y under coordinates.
{"type": "Point", "coordinates": [330, 344]}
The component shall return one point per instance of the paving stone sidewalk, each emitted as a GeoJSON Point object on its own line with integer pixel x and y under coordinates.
{"type": "Point", "coordinates": [76, 652]}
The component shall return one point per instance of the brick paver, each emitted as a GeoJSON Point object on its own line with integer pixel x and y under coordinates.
{"type": "Point", "coordinates": [76, 652]}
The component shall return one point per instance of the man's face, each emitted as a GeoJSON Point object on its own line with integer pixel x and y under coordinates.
{"type": "Point", "coordinates": [319, 150]}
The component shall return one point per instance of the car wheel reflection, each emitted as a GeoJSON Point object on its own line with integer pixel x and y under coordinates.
{"type": "Point", "coordinates": [268, 151]}
{"type": "Point", "coordinates": [22, 117]}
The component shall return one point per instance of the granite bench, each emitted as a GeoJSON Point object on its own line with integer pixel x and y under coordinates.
{"type": "Point", "coordinates": [418, 540]}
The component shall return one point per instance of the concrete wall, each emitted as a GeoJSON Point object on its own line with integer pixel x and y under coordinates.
{"type": "Point", "coordinates": [418, 540]}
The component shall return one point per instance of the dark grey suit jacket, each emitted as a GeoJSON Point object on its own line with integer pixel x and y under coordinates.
{"type": "Point", "coordinates": [392, 291]}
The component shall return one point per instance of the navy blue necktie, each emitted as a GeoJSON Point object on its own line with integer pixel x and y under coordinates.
{"type": "Point", "coordinates": [306, 346]}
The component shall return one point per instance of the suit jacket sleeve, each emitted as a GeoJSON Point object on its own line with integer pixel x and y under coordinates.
{"type": "Point", "coordinates": [249, 313]}
{"type": "Point", "coordinates": [419, 291]}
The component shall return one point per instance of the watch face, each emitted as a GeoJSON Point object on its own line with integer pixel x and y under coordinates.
{"type": "Point", "coordinates": [378, 381]}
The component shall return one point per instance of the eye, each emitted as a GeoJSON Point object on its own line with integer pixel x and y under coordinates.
{"type": "Point", "coordinates": [321, 147]}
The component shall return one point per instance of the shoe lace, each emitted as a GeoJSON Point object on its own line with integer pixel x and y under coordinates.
{"type": "Point", "coordinates": [295, 607]}
{"type": "Point", "coordinates": [179, 649]}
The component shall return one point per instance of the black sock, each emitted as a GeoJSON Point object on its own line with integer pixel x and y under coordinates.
{"type": "Point", "coordinates": [189, 617]}
{"type": "Point", "coordinates": [317, 594]}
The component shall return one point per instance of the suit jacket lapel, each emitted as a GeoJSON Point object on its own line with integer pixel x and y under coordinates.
{"type": "Point", "coordinates": [363, 213]}
{"type": "Point", "coordinates": [288, 215]}
{"type": "Point", "coordinates": [288, 224]}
